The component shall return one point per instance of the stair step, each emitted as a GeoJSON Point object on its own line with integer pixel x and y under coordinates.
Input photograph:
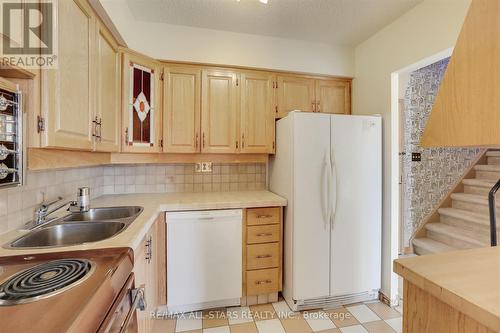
{"type": "Point", "coordinates": [479, 182]}
{"type": "Point", "coordinates": [493, 153]}
{"type": "Point", "coordinates": [488, 171]}
{"type": "Point", "coordinates": [487, 167]}
{"type": "Point", "coordinates": [455, 237]}
{"type": "Point", "coordinates": [423, 246]}
{"type": "Point", "coordinates": [478, 186]}
{"type": "Point", "coordinates": [465, 215]}
{"type": "Point", "coordinates": [473, 203]}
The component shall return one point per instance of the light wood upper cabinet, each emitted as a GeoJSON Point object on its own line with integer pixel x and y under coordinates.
{"type": "Point", "coordinates": [67, 93]}
{"type": "Point", "coordinates": [295, 93]}
{"type": "Point", "coordinates": [256, 112]}
{"type": "Point", "coordinates": [328, 95]}
{"type": "Point", "coordinates": [333, 96]}
{"type": "Point", "coordinates": [181, 121]}
{"type": "Point", "coordinates": [107, 117]}
{"type": "Point", "coordinates": [141, 104]}
{"type": "Point", "coordinates": [219, 112]}
{"type": "Point", "coordinates": [466, 109]}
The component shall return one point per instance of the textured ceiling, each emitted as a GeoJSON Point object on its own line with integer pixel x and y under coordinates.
{"type": "Point", "coordinates": [346, 22]}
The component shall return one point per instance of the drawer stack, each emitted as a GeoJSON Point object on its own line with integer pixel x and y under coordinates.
{"type": "Point", "coordinates": [263, 251]}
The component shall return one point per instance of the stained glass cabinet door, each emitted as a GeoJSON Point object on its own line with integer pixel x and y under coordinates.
{"type": "Point", "coordinates": [141, 107]}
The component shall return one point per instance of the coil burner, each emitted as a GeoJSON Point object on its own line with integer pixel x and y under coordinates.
{"type": "Point", "coordinates": [44, 280]}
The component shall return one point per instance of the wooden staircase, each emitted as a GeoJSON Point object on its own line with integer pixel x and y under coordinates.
{"type": "Point", "coordinates": [462, 222]}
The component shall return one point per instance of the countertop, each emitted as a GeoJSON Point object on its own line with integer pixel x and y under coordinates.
{"type": "Point", "coordinates": [154, 204]}
{"type": "Point", "coordinates": [467, 280]}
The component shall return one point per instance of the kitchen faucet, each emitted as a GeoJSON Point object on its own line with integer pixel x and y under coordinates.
{"type": "Point", "coordinates": [44, 210]}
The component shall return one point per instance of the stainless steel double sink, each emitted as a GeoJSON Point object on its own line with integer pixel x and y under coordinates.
{"type": "Point", "coordinates": [79, 228]}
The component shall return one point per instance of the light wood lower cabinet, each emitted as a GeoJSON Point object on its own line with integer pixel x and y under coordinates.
{"type": "Point", "coordinates": [262, 252]}
{"type": "Point", "coordinates": [150, 272]}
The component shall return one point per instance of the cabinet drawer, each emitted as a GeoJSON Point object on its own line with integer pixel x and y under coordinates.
{"type": "Point", "coordinates": [268, 215]}
{"type": "Point", "coordinates": [264, 281]}
{"type": "Point", "coordinates": [263, 234]}
{"type": "Point", "coordinates": [263, 256]}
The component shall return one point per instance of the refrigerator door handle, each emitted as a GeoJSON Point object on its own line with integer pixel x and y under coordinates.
{"type": "Point", "coordinates": [333, 183]}
{"type": "Point", "coordinates": [325, 191]}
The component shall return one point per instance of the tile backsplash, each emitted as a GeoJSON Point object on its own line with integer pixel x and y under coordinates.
{"type": "Point", "coordinates": [182, 178]}
{"type": "Point", "coordinates": [17, 204]}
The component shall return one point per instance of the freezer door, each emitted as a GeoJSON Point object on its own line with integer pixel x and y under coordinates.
{"type": "Point", "coordinates": [311, 230]}
{"type": "Point", "coordinates": [356, 189]}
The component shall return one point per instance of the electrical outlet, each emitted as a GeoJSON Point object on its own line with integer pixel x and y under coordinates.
{"type": "Point", "coordinates": [416, 157]}
{"type": "Point", "coordinates": [203, 167]}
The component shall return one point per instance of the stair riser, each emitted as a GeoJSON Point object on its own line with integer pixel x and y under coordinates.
{"type": "Point", "coordinates": [482, 229]}
{"type": "Point", "coordinates": [473, 207]}
{"type": "Point", "coordinates": [420, 250]}
{"type": "Point", "coordinates": [457, 243]}
{"type": "Point", "coordinates": [494, 160]}
{"type": "Point", "coordinates": [487, 174]}
{"type": "Point", "coordinates": [471, 189]}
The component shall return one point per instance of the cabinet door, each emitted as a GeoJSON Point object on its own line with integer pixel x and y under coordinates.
{"type": "Point", "coordinates": [68, 92]}
{"type": "Point", "coordinates": [108, 92]}
{"type": "Point", "coordinates": [333, 96]}
{"type": "Point", "coordinates": [141, 110]}
{"type": "Point", "coordinates": [219, 112]}
{"type": "Point", "coordinates": [256, 112]}
{"type": "Point", "coordinates": [141, 274]}
{"type": "Point", "coordinates": [295, 93]}
{"type": "Point", "coordinates": [181, 123]}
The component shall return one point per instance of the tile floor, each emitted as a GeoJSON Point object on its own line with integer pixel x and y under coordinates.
{"type": "Point", "coordinates": [369, 317]}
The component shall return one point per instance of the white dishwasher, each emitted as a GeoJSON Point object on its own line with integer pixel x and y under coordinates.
{"type": "Point", "coordinates": [204, 259]}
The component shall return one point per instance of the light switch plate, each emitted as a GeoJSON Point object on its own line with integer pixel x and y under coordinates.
{"type": "Point", "coordinates": [203, 167]}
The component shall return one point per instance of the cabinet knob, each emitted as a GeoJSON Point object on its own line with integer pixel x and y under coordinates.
{"type": "Point", "coordinates": [264, 216]}
{"type": "Point", "coordinates": [318, 108]}
{"type": "Point", "coordinates": [264, 256]}
{"type": "Point", "coordinates": [264, 234]}
{"type": "Point", "coordinates": [196, 141]}
{"type": "Point", "coordinates": [313, 106]}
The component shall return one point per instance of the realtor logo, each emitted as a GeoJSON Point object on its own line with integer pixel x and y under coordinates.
{"type": "Point", "coordinates": [29, 33]}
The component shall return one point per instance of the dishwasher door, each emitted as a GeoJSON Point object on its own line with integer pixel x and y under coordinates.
{"type": "Point", "coordinates": [204, 259]}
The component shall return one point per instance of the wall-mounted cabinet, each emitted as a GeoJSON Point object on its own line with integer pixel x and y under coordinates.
{"type": "Point", "coordinates": [313, 95]}
{"type": "Point", "coordinates": [107, 116]}
{"type": "Point", "coordinates": [219, 111]}
{"type": "Point", "coordinates": [141, 104]}
{"type": "Point", "coordinates": [181, 109]}
{"type": "Point", "coordinates": [257, 104]}
{"type": "Point", "coordinates": [80, 99]}
{"type": "Point", "coordinates": [68, 93]}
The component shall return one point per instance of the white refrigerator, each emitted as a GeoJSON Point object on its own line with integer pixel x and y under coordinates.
{"type": "Point", "coordinates": [329, 167]}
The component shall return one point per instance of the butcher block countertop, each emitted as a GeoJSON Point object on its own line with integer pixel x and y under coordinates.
{"type": "Point", "coordinates": [467, 280]}
{"type": "Point", "coordinates": [153, 204]}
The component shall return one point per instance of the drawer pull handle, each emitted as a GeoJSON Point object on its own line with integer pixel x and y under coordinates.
{"type": "Point", "coordinates": [264, 256]}
{"type": "Point", "coordinates": [263, 282]}
{"type": "Point", "coordinates": [264, 216]}
{"type": "Point", "coordinates": [264, 234]}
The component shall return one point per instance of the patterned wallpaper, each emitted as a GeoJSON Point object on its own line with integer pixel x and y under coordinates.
{"type": "Point", "coordinates": [427, 182]}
